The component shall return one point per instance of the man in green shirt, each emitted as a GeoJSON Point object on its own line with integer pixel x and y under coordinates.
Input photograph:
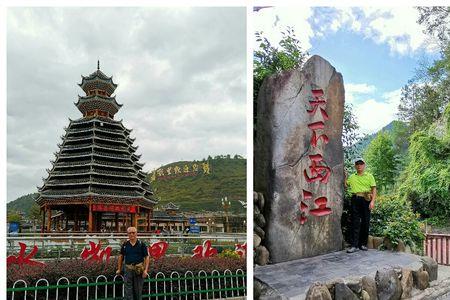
{"type": "Point", "coordinates": [364, 192]}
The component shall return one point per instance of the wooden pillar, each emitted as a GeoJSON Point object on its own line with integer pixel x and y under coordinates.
{"type": "Point", "coordinates": [75, 221]}
{"type": "Point", "coordinates": [49, 219]}
{"type": "Point", "coordinates": [67, 222]}
{"type": "Point", "coordinates": [97, 222]}
{"type": "Point", "coordinates": [90, 227]}
{"type": "Point", "coordinates": [117, 221]}
{"type": "Point", "coordinates": [129, 220]}
{"type": "Point", "coordinates": [43, 219]}
{"type": "Point", "coordinates": [148, 220]}
{"type": "Point", "coordinates": [134, 220]}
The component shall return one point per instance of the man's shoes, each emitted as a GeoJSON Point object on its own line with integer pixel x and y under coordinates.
{"type": "Point", "coordinates": [352, 250]}
{"type": "Point", "coordinates": [363, 248]}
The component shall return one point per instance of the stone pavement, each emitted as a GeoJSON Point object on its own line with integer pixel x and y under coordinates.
{"type": "Point", "coordinates": [444, 297]}
{"type": "Point", "coordinates": [292, 279]}
{"type": "Point", "coordinates": [439, 289]}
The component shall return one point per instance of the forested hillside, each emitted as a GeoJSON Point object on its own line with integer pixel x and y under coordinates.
{"type": "Point", "coordinates": [22, 204]}
{"type": "Point", "coordinates": [227, 178]}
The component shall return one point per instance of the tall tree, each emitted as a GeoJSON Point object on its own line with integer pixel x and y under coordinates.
{"type": "Point", "coordinates": [350, 137]}
{"type": "Point", "coordinates": [34, 214]}
{"type": "Point", "coordinates": [436, 20]}
{"type": "Point", "coordinates": [14, 217]}
{"type": "Point", "coordinates": [427, 94]}
{"type": "Point", "coordinates": [426, 179]}
{"type": "Point", "coordinates": [382, 161]}
{"type": "Point", "coordinates": [400, 134]}
{"type": "Point", "coordinates": [421, 104]}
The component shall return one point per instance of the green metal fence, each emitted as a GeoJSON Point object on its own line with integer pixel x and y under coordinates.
{"type": "Point", "coordinates": [215, 285]}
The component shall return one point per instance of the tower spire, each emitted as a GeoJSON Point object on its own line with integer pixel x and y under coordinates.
{"type": "Point", "coordinates": [98, 64]}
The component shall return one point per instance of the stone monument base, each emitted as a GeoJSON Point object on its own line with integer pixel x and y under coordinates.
{"type": "Point", "coordinates": [339, 275]}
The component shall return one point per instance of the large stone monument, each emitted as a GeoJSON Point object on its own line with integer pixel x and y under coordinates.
{"type": "Point", "coordinates": [299, 160]}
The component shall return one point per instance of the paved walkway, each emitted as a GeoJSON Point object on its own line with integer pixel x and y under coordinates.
{"type": "Point", "coordinates": [292, 279]}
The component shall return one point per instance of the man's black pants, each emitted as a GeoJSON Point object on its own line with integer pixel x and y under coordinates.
{"type": "Point", "coordinates": [360, 214]}
{"type": "Point", "coordinates": [133, 285]}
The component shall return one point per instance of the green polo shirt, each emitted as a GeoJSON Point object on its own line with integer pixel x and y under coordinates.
{"type": "Point", "coordinates": [361, 183]}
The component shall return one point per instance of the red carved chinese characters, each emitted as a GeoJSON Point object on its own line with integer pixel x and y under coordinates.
{"type": "Point", "coordinates": [314, 138]}
{"type": "Point", "coordinates": [95, 253]}
{"type": "Point", "coordinates": [205, 250]}
{"type": "Point", "coordinates": [319, 101]}
{"type": "Point", "coordinates": [21, 259]}
{"type": "Point", "coordinates": [318, 170]}
{"type": "Point", "coordinates": [158, 249]}
{"type": "Point", "coordinates": [241, 249]}
{"type": "Point", "coordinates": [322, 209]}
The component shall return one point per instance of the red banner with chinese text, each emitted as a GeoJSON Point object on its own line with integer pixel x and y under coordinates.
{"type": "Point", "coordinates": [114, 208]}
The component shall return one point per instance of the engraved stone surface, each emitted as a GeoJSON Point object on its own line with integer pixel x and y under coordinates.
{"type": "Point", "coordinates": [299, 160]}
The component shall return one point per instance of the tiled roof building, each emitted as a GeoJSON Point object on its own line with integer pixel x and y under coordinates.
{"type": "Point", "coordinates": [96, 172]}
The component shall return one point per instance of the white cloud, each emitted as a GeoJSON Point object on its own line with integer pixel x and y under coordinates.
{"type": "Point", "coordinates": [373, 115]}
{"type": "Point", "coordinates": [355, 90]}
{"type": "Point", "coordinates": [272, 21]}
{"type": "Point", "coordinates": [395, 26]}
{"type": "Point", "coordinates": [360, 88]}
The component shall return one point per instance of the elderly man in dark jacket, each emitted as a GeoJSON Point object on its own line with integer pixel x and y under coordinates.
{"type": "Point", "coordinates": [135, 254]}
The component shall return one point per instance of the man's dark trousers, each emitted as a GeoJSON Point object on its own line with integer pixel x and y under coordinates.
{"type": "Point", "coordinates": [360, 214]}
{"type": "Point", "coordinates": [133, 285]}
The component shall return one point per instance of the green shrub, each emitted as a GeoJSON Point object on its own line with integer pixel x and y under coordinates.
{"type": "Point", "coordinates": [74, 268]}
{"type": "Point", "coordinates": [229, 253]}
{"type": "Point", "coordinates": [426, 180]}
{"type": "Point", "coordinates": [394, 218]}
{"type": "Point", "coordinates": [438, 221]}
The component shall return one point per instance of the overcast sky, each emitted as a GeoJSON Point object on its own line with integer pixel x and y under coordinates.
{"type": "Point", "coordinates": [181, 74]}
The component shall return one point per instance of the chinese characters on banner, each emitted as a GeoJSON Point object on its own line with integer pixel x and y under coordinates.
{"type": "Point", "coordinates": [21, 259]}
{"type": "Point", "coordinates": [183, 170]}
{"type": "Point", "coordinates": [114, 208]}
{"type": "Point", "coordinates": [317, 171]}
{"type": "Point", "coordinates": [95, 253]}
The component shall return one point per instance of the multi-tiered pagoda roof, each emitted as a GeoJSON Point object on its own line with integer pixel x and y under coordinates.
{"type": "Point", "coordinates": [96, 161]}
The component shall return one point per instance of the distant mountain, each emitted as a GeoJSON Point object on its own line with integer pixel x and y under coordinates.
{"type": "Point", "coordinates": [192, 191]}
{"type": "Point", "coordinates": [22, 204]}
{"type": "Point", "coordinates": [227, 178]}
{"type": "Point", "coordinates": [364, 143]}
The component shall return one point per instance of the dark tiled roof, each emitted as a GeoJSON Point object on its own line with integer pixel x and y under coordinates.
{"type": "Point", "coordinates": [98, 80]}
{"type": "Point", "coordinates": [96, 158]}
{"type": "Point", "coordinates": [163, 216]}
